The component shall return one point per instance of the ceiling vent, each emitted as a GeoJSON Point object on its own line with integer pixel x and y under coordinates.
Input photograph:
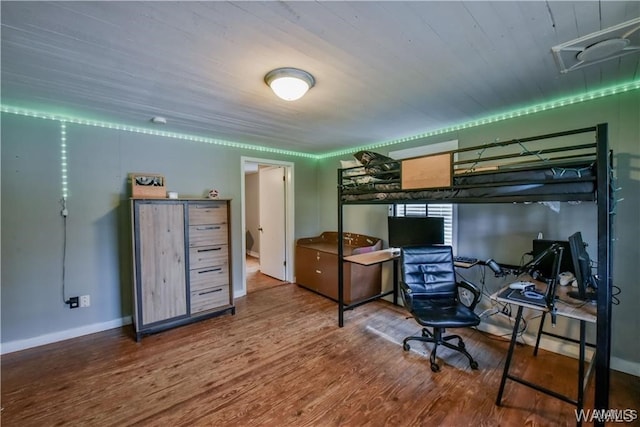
{"type": "Point", "coordinates": [614, 42]}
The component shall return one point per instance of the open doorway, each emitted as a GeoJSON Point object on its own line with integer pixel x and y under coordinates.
{"type": "Point", "coordinates": [267, 223]}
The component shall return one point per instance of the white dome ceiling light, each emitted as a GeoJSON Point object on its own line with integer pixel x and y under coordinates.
{"type": "Point", "coordinates": [289, 84]}
{"type": "Point", "coordinates": [614, 42]}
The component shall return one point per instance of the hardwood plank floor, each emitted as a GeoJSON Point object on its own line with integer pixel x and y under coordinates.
{"type": "Point", "coordinates": [256, 280]}
{"type": "Point", "coordinates": [282, 361]}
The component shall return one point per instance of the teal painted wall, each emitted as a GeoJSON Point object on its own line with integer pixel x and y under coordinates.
{"type": "Point", "coordinates": [98, 226]}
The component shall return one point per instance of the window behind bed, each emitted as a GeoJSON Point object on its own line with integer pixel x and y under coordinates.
{"type": "Point", "coordinates": [445, 210]}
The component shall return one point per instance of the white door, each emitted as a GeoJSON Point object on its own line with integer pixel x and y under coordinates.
{"type": "Point", "coordinates": [272, 221]}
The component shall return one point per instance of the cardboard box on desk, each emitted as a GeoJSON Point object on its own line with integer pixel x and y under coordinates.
{"type": "Point", "coordinates": [148, 185]}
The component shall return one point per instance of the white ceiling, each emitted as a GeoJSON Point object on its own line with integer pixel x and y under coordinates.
{"type": "Point", "coordinates": [384, 70]}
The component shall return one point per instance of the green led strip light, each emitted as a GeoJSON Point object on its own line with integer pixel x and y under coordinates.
{"type": "Point", "coordinates": [63, 160]}
{"type": "Point", "coordinates": [146, 131]}
{"type": "Point", "coordinates": [562, 102]}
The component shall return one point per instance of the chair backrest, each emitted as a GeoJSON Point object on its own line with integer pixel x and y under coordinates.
{"type": "Point", "coordinates": [429, 271]}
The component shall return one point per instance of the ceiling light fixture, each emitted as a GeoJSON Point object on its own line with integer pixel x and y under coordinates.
{"type": "Point", "coordinates": [289, 84]}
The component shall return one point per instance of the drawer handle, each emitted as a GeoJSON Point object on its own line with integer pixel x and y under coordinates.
{"type": "Point", "coordinates": [208, 207]}
{"type": "Point", "coordinates": [318, 271]}
{"type": "Point", "coordinates": [211, 270]}
{"type": "Point", "coordinates": [217, 227]}
{"type": "Point", "coordinates": [210, 292]}
{"type": "Point", "coordinates": [209, 249]}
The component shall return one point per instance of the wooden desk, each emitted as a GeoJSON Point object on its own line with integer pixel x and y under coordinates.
{"type": "Point", "coordinates": [384, 255]}
{"type": "Point", "coordinates": [376, 257]}
{"type": "Point", "coordinates": [583, 312]}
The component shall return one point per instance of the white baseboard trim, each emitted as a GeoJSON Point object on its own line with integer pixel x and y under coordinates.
{"type": "Point", "coordinates": [561, 347]}
{"type": "Point", "coordinates": [11, 346]}
{"type": "Point", "coordinates": [631, 368]}
{"type": "Point", "coordinates": [253, 254]}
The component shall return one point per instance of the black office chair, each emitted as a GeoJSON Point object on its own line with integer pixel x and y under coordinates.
{"type": "Point", "coordinates": [430, 293]}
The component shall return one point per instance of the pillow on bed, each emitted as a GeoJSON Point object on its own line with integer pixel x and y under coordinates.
{"type": "Point", "coordinates": [377, 164]}
{"type": "Point", "coordinates": [354, 167]}
{"type": "Point", "coordinates": [344, 164]}
{"type": "Point", "coordinates": [355, 171]}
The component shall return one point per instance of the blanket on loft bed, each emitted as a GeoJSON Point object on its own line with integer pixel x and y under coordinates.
{"type": "Point", "coordinates": [380, 178]}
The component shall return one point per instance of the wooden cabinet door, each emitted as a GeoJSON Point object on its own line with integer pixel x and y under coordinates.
{"type": "Point", "coordinates": [162, 275]}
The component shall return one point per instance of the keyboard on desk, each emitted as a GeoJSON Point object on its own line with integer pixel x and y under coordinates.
{"type": "Point", "coordinates": [465, 260]}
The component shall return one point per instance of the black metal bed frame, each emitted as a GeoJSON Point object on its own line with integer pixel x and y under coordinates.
{"type": "Point", "coordinates": [603, 198]}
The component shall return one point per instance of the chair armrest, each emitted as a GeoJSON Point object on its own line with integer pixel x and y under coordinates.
{"type": "Point", "coordinates": [407, 295]}
{"type": "Point", "coordinates": [473, 289]}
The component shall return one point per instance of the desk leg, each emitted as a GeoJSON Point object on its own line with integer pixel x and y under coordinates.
{"type": "Point", "coordinates": [505, 373]}
{"type": "Point", "coordinates": [544, 316]}
{"type": "Point", "coordinates": [581, 380]}
{"type": "Point", "coordinates": [395, 281]}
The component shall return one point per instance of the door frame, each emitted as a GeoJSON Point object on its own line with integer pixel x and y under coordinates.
{"type": "Point", "coordinates": [289, 217]}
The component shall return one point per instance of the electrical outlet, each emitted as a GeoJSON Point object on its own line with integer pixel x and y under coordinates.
{"type": "Point", "coordinates": [73, 302]}
{"type": "Point", "coordinates": [85, 301]}
{"type": "Point", "coordinates": [506, 310]}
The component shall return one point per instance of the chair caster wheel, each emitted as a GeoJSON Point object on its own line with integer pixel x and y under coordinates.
{"type": "Point", "coordinates": [406, 347]}
{"type": "Point", "coordinates": [474, 365]}
{"type": "Point", "coordinates": [435, 367]}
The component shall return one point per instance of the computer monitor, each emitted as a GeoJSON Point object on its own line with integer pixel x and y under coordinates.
{"type": "Point", "coordinates": [415, 231]}
{"type": "Point", "coordinates": [545, 266]}
{"type": "Point", "coordinates": [582, 269]}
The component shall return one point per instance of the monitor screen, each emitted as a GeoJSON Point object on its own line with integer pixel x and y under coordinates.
{"type": "Point", "coordinates": [415, 231]}
{"type": "Point", "coordinates": [582, 269]}
{"type": "Point", "coordinates": [545, 267]}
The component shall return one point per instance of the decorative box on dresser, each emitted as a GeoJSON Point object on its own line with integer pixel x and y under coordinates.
{"type": "Point", "coordinates": [182, 262]}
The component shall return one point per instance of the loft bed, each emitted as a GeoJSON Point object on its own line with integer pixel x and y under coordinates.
{"type": "Point", "coordinates": [574, 165]}
{"type": "Point", "coordinates": [526, 169]}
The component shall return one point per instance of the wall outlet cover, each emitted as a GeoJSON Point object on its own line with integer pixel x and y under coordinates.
{"type": "Point", "coordinates": [85, 301]}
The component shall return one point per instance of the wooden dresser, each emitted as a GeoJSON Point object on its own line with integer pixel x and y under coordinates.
{"type": "Point", "coordinates": [317, 266]}
{"type": "Point", "coordinates": [182, 262]}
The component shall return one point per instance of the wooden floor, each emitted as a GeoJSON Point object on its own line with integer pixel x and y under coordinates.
{"type": "Point", "coordinates": [281, 360]}
{"type": "Point", "coordinates": [256, 280]}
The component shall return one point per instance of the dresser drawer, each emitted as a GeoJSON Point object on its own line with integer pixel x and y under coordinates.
{"type": "Point", "coordinates": [209, 276]}
{"type": "Point", "coordinates": [205, 256]}
{"type": "Point", "coordinates": [207, 213]}
{"type": "Point", "coordinates": [205, 235]}
{"type": "Point", "coordinates": [209, 298]}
